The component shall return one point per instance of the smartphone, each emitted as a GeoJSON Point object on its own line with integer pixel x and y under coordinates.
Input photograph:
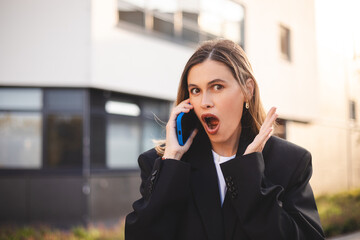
{"type": "Point", "coordinates": [185, 124]}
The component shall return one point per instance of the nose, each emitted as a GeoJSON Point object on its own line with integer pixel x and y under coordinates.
{"type": "Point", "coordinates": [206, 101]}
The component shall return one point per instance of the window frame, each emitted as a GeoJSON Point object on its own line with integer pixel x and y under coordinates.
{"type": "Point", "coordinates": [90, 109]}
{"type": "Point", "coordinates": [43, 113]}
{"type": "Point", "coordinates": [285, 29]}
{"type": "Point", "coordinates": [99, 111]}
{"type": "Point", "coordinates": [147, 26]}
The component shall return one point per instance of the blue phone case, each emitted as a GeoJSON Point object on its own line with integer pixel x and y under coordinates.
{"type": "Point", "coordinates": [179, 130]}
{"type": "Point", "coordinates": [185, 124]}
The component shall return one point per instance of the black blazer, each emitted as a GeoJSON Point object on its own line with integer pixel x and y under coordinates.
{"type": "Point", "coordinates": [268, 195]}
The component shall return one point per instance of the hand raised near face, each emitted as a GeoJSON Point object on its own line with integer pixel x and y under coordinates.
{"type": "Point", "coordinates": [172, 149]}
{"type": "Point", "coordinates": [264, 134]}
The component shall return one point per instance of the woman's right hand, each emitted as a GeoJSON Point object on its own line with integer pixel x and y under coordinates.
{"type": "Point", "coordinates": [173, 149]}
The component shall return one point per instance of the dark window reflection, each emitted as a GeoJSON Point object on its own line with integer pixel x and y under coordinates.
{"type": "Point", "coordinates": [163, 26]}
{"type": "Point", "coordinates": [285, 42]}
{"type": "Point", "coordinates": [64, 140]}
{"type": "Point", "coordinates": [69, 99]}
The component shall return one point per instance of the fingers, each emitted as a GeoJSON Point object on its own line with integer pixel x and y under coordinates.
{"type": "Point", "coordinates": [184, 106]}
{"type": "Point", "coordinates": [264, 134]}
{"type": "Point", "coordinates": [190, 139]}
{"type": "Point", "coordinates": [270, 119]}
{"type": "Point", "coordinates": [261, 138]}
{"type": "Point", "coordinates": [173, 149]}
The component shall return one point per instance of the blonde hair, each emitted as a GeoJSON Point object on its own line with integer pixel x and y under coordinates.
{"type": "Point", "coordinates": [234, 57]}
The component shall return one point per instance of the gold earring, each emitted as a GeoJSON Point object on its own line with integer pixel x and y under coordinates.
{"type": "Point", "coordinates": [247, 105]}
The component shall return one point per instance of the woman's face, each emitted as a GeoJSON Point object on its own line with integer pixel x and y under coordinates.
{"type": "Point", "coordinates": [217, 99]}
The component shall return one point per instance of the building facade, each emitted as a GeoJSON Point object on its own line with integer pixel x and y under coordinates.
{"type": "Point", "coordinates": [85, 86]}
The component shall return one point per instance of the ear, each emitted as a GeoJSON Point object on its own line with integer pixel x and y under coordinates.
{"type": "Point", "coordinates": [250, 85]}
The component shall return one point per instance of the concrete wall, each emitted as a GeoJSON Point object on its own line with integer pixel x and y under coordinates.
{"type": "Point", "coordinates": [332, 137]}
{"type": "Point", "coordinates": [44, 43]}
{"type": "Point", "coordinates": [131, 62]}
{"type": "Point", "coordinates": [291, 86]}
{"type": "Point", "coordinates": [42, 199]}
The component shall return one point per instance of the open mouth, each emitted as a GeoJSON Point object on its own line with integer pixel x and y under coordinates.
{"type": "Point", "coordinates": [211, 122]}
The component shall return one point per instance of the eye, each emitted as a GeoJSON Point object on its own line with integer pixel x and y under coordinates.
{"type": "Point", "coordinates": [194, 91]}
{"type": "Point", "coordinates": [218, 87]}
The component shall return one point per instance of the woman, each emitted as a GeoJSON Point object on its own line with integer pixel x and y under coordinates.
{"type": "Point", "coordinates": [231, 179]}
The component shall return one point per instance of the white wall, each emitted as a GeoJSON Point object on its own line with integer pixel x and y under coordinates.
{"type": "Point", "coordinates": [44, 42]}
{"type": "Point", "coordinates": [291, 86]}
{"type": "Point", "coordinates": [132, 62]}
{"type": "Point", "coordinates": [332, 138]}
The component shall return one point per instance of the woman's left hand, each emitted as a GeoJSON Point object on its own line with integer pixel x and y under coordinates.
{"type": "Point", "coordinates": [264, 134]}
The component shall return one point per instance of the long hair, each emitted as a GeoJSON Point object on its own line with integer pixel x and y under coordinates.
{"type": "Point", "coordinates": [234, 57]}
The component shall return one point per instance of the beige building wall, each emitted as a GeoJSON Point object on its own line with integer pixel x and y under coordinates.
{"type": "Point", "coordinates": [333, 137]}
{"type": "Point", "coordinates": [67, 43]}
{"type": "Point", "coordinates": [283, 83]}
{"type": "Point", "coordinates": [313, 90]}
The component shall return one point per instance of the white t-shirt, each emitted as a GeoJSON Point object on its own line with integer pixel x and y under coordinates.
{"type": "Point", "coordinates": [222, 186]}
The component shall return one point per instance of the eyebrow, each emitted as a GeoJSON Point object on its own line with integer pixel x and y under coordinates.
{"type": "Point", "coordinates": [209, 83]}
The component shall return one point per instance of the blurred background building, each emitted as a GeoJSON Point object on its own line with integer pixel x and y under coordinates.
{"type": "Point", "coordinates": [82, 84]}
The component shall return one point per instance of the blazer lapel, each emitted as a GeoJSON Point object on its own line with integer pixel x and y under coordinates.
{"type": "Point", "coordinates": [230, 217]}
{"type": "Point", "coordinates": [205, 188]}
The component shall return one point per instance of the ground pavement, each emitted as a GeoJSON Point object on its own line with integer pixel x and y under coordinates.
{"type": "Point", "coordinates": [352, 236]}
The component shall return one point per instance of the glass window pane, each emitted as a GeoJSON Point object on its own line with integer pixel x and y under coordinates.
{"type": "Point", "coordinates": [158, 109]}
{"type": "Point", "coordinates": [222, 18]}
{"type": "Point", "coordinates": [164, 12]}
{"type": "Point", "coordinates": [233, 15]}
{"type": "Point", "coordinates": [64, 140]}
{"type": "Point", "coordinates": [20, 140]}
{"type": "Point", "coordinates": [190, 35]}
{"type": "Point", "coordinates": [20, 99]}
{"type": "Point", "coordinates": [164, 26]}
{"type": "Point", "coordinates": [132, 12]}
{"type": "Point", "coordinates": [98, 142]}
{"type": "Point", "coordinates": [190, 14]}
{"type": "Point", "coordinates": [152, 131]}
{"type": "Point", "coordinates": [71, 99]}
{"type": "Point", "coordinates": [210, 19]}
{"type": "Point", "coordinates": [122, 108]}
{"type": "Point", "coordinates": [285, 42]}
{"type": "Point", "coordinates": [122, 143]}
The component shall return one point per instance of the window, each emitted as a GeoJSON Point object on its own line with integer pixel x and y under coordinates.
{"type": "Point", "coordinates": [63, 128]}
{"type": "Point", "coordinates": [131, 128]}
{"type": "Point", "coordinates": [285, 42]}
{"type": "Point", "coordinates": [186, 20]}
{"type": "Point", "coordinates": [352, 110]}
{"type": "Point", "coordinates": [132, 12]}
{"type": "Point", "coordinates": [64, 140]}
{"type": "Point", "coordinates": [122, 142]}
{"type": "Point", "coordinates": [20, 140]}
{"type": "Point", "coordinates": [280, 128]}
{"type": "Point", "coordinates": [123, 134]}
{"type": "Point", "coordinates": [45, 128]}
{"type": "Point", "coordinates": [20, 128]}
{"type": "Point", "coordinates": [155, 113]}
